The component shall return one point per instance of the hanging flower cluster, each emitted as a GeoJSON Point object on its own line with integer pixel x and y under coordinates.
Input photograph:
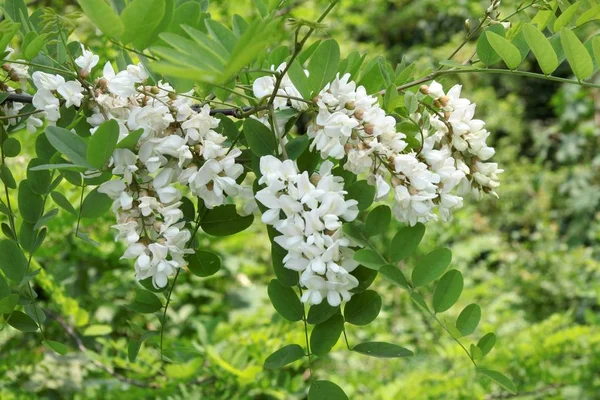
{"type": "Point", "coordinates": [309, 212]}
{"type": "Point", "coordinates": [351, 125]}
{"type": "Point", "coordinates": [178, 147]}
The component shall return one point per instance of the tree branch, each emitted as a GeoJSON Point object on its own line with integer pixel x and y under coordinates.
{"type": "Point", "coordinates": [69, 329]}
{"type": "Point", "coordinates": [234, 112]}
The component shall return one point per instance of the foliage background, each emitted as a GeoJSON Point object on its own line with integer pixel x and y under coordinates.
{"type": "Point", "coordinates": [530, 259]}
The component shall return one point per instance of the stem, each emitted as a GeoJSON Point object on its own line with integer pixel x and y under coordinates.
{"type": "Point", "coordinates": [6, 117]}
{"type": "Point", "coordinates": [297, 49]}
{"type": "Point", "coordinates": [468, 37]}
{"type": "Point", "coordinates": [308, 352]}
{"type": "Point", "coordinates": [133, 50]}
{"type": "Point", "coordinates": [526, 74]}
{"type": "Point", "coordinates": [411, 290]}
{"type": "Point", "coordinates": [164, 319]}
{"type": "Point", "coordinates": [40, 66]}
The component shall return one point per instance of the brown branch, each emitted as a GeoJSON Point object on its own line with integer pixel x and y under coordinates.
{"type": "Point", "coordinates": [71, 331]}
{"type": "Point", "coordinates": [234, 112]}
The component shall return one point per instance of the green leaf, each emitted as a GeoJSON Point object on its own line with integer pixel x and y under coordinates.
{"type": "Point", "coordinates": [31, 205]}
{"type": "Point", "coordinates": [541, 48]}
{"type": "Point", "coordinates": [36, 45]}
{"type": "Point", "coordinates": [382, 350]}
{"type": "Point", "coordinates": [225, 221]}
{"type": "Point", "coordinates": [393, 274]}
{"type": "Point", "coordinates": [68, 144]}
{"type": "Point", "coordinates": [296, 147]}
{"type": "Point", "coordinates": [468, 319]}
{"type": "Point", "coordinates": [4, 289]}
{"type": "Point", "coordinates": [320, 313]}
{"type": "Point", "coordinates": [566, 16]}
{"type": "Point", "coordinates": [134, 346]}
{"type": "Point", "coordinates": [11, 147]}
{"type": "Point", "coordinates": [260, 138]}
{"type": "Point", "coordinates": [325, 390]}
{"type": "Point", "coordinates": [406, 241]}
{"type": "Point", "coordinates": [102, 143]}
{"type": "Point", "coordinates": [369, 259]}
{"type": "Point", "coordinates": [57, 347]}
{"type": "Point", "coordinates": [299, 79]}
{"type": "Point", "coordinates": [130, 141]}
{"type": "Point", "coordinates": [286, 276]}
{"type": "Point", "coordinates": [95, 205]}
{"type": "Point", "coordinates": [97, 330]}
{"type": "Point", "coordinates": [372, 76]}
{"type": "Point", "coordinates": [363, 308]}
{"type": "Point", "coordinates": [12, 261]}
{"type": "Point", "coordinates": [17, 11]}
{"type": "Point", "coordinates": [475, 352]}
{"type": "Point", "coordinates": [577, 55]}
{"type": "Point", "coordinates": [323, 65]}
{"type": "Point", "coordinates": [8, 304]}
{"type": "Point", "coordinates": [485, 52]}
{"type": "Point", "coordinates": [285, 301]}
{"type": "Point", "coordinates": [447, 291]}
{"type": "Point", "coordinates": [500, 379]}
{"type": "Point", "coordinates": [596, 48]}
{"type": "Point", "coordinates": [431, 267]}
{"type": "Point", "coordinates": [7, 177]}
{"type": "Point", "coordinates": [365, 277]}
{"type": "Point", "coordinates": [362, 192]}
{"type": "Point", "coordinates": [486, 343]}
{"type": "Point", "coordinates": [203, 263]}
{"type": "Point", "coordinates": [139, 20]}
{"type": "Point", "coordinates": [505, 49]}
{"type": "Point", "coordinates": [103, 16]}
{"type": "Point", "coordinates": [39, 181]}
{"type": "Point", "coordinates": [22, 322]}
{"type": "Point", "coordinates": [326, 334]}
{"type": "Point", "coordinates": [411, 102]}
{"type": "Point", "coordinates": [145, 302]}
{"type": "Point", "coordinates": [591, 14]}
{"type": "Point", "coordinates": [36, 313]}
{"type": "Point", "coordinates": [378, 220]}
{"type": "Point", "coordinates": [223, 35]}
{"type": "Point", "coordinates": [63, 203]}
{"type": "Point", "coordinates": [7, 32]}
{"type": "Point", "coordinates": [284, 356]}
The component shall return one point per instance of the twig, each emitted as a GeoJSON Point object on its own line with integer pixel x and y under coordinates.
{"type": "Point", "coordinates": [69, 329]}
{"type": "Point", "coordinates": [234, 112]}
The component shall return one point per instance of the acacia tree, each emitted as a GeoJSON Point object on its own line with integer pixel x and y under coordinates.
{"type": "Point", "coordinates": [216, 125]}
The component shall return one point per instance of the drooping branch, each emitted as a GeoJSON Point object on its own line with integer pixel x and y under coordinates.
{"type": "Point", "coordinates": [234, 112]}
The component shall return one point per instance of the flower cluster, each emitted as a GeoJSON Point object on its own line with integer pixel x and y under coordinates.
{"type": "Point", "coordinates": [178, 147]}
{"type": "Point", "coordinates": [308, 212]}
{"type": "Point", "coordinates": [350, 124]}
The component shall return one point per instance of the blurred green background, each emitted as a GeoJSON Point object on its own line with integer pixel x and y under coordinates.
{"type": "Point", "coordinates": [530, 259]}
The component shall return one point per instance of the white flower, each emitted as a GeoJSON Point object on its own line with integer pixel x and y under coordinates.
{"type": "Point", "coordinates": [72, 92]}
{"type": "Point", "coordinates": [86, 61]}
{"type": "Point", "coordinates": [121, 84]}
{"type": "Point", "coordinates": [112, 188]}
{"type": "Point", "coordinates": [42, 80]}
